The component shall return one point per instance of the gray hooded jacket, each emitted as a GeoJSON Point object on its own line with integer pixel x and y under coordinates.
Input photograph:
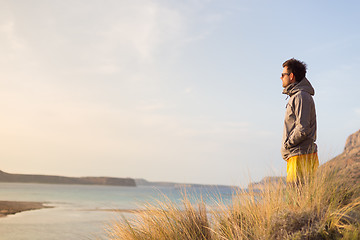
{"type": "Point", "coordinates": [300, 120]}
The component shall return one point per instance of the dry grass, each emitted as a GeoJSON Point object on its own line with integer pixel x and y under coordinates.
{"type": "Point", "coordinates": [166, 220]}
{"type": "Point", "coordinates": [322, 208]}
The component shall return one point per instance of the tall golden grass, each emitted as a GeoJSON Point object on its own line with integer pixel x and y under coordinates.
{"type": "Point", "coordinates": [323, 207]}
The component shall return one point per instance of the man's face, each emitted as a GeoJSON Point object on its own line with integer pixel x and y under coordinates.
{"type": "Point", "coordinates": [286, 77]}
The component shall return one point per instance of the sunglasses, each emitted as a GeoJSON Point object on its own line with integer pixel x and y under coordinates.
{"type": "Point", "coordinates": [283, 74]}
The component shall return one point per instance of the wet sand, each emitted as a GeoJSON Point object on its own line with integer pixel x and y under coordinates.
{"type": "Point", "coordinates": [13, 207]}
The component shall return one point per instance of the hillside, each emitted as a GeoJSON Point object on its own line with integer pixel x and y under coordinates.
{"type": "Point", "coordinates": [27, 178]}
{"type": "Point", "coordinates": [129, 182]}
{"type": "Point", "coordinates": [346, 166]}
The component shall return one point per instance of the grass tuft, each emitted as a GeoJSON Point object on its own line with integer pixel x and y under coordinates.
{"type": "Point", "coordinates": [319, 208]}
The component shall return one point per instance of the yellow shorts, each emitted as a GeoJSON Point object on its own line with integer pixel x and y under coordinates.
{"type": "Point", "coordinates": [301, 166]}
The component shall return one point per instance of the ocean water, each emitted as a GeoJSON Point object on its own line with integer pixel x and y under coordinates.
{"type": "Point", "coordinates": [79, 211]}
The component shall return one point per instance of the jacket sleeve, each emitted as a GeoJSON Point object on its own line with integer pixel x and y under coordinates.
{"type": "Point", "coordinates": [302, 111]}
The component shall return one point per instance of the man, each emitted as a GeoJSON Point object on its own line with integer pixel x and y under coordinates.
{"type": "Point", "coordinates": [298, 144]}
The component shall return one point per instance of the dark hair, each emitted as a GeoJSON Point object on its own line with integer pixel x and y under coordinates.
{"type": "Point", "coordinates": [296, 67]}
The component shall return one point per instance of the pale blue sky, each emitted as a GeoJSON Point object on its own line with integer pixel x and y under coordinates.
{"type": "Point", "coordinates": [183, 91]}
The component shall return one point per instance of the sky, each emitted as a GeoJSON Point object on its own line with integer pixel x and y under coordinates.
{"type": "Point", "coordinates": [182, 91]}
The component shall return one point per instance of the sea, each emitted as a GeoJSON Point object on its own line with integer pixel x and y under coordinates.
{"type": "Point", "coordinates": [83, 212]}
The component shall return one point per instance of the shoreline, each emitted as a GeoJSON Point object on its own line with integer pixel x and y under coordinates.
{"type": "Point", "coordinates": [13, 207]}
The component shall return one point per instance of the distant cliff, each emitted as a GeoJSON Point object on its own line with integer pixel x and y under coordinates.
{"type": "Point", "coordinates": [143, 182]}
{"type": "Point", "coordinates": [266, 180]}
{"type": "Point", "coordinates": [347, 164]}
{"type": "Point", "coordinates": [26, 178]}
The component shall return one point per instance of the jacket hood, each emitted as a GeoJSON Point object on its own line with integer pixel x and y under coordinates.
{"type": "Point", "coordinates": [303, 85]}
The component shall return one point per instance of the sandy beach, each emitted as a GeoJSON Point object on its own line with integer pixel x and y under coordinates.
{"type": "Point", "coordinates": [13, 207]}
